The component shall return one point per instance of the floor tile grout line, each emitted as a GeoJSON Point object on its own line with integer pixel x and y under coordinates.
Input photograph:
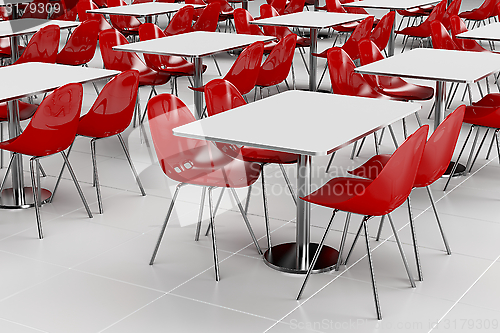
{"type": "Point", "coordinates": [24, 325]}
{"type": "Point", "coordinates": [463, 295]}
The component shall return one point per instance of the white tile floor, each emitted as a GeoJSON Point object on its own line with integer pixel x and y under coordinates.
{"type": "Point", "coordinates": [92, 275]}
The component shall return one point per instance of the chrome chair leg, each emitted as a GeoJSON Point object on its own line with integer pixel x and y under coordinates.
{"type": "Point", "coordinates": [200, 214]}
{"type": "Point", "coordinates": [393, 135]}
{"type": "Point", "coordinates": [354, 149]}
{"type": "Point", "coordinates": [162, 231]}
{"type": "Point", "coordinates": [376, 141]}
{"type": "Point", "coordinates": [287, 180]}
{"type": "Point", "coordinates": [361, 146]}
{"type": "Point", "coordinates": [330, 162]}
{"type": "Point", "coordinates": [372, 273]}
{"type": "Point", "coordinates": [469, 159]}
{"type": "Point", "coordinates": [137, 179]}
{"type": "Point", "coordinates": [400, 247]}
{"type": "Point", "coordinates": [418, 119]}
{"type": "Point", "coordinates": [353, 243]}
{"type": "Point", "coordinates": [342, 241]}
{"type": "Point", "coordinates": [245, 218]}
{"type": "Point", "coordinates": [35, 185]}
{"type": "Point", "coordinates": [380, 226]}
{"type": "Point", "coordinates": [60, 175]}
{"type": "Point", "coordinates": [491, 143]}
{"type": "Point", "coordinates": [316, 255]}
{"type": "Point", "coordinates": [7, 172]}
{"type": "Point", "coordinates": [78, 188]}
{"type": "Point", "coordinates": [414, 239]}
{"type": "Point", "coordinates": [381, 136]}
{"type": "Point", "coordinates": [216, 208]}
{"type": "Point", "coordinates": [458, 158]}
{"type": "Point", "coordinates": [479, 149]}
{"type": "Point", "coordinates": [247, 202]}
{"type": "Point", "coordinates": [214, 240]}
{"type": "Point", "coordinates": [405, 131]}
{"type": "Point", "coordinates": [96, 175]}
{"type": "Point", "coordinates": [448, 250]}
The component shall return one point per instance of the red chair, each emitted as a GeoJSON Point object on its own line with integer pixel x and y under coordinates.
{"type": "Point", "coordinates": [457, 27]}
{"type": "Point", "coordinates": [197, 12]}
{"type": "Point", "coordinates": [279, 5]}
{"type": "Point", "coordinates": [36, 9]}
{"type": "Point", "coordinates": [195, 162]}
{"type": "Point", "coordinates": [376, 197]}
{"type": "Point", "coordinates": [382, 31]}
{"type": "Point", "coordinates": [67, 11]}
{"type": "Point", "coordinates": [221, 96]}
{"type": "Point", "coordinates": [334, 6]}
{"type": "Point", "coordinates": [483, 12]}
{"type": "Point", "coordinates": [109, 116]}
{"type": "Point", "coordinates": [241, 22]}
{"type": "Point", "coordinates": [42, 47]}
{"type": "Point", "coordinates": [80, 47]}
{"type": "Point", "coordinates": [452, 10]}
{"type": "Point", "coordinates": [123, 61]}
{"type": "Point", "coordinates": [358, 10]}
{"type": "Point", "coordinates": [294, 6]}
{"type": "Point", "coordinates": [126, 24]}
{"type": "Point", "coordinates": [208, 19]}
{"type": "Point", "coordinates": [83, 6]}
{"type": "Point", "coordinates": [424, 29]}
{"type": "Point", "coordinates": [175, 66]}
{"type": "Point", "coordinates": [51, 130]}
{"type": "Point", "coordinates": [277, 65]}
{"type": "Point", "coordinates": [101, 3]}
{"type": "Point", "coordinates": [435, 161]}
{"type": "Point", "coordinates": [245, 70]}
{"type": "Point", "coordinates": [362, 31]}
{"type": "Point", "coordinates": [226, 12]}
{"type": "Point", "coordinates": [5, 51]}
{"type": "Point", "coordinates": [181, 22]}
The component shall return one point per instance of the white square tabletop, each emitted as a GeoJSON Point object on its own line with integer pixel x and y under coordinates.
{"type": "Point", "coordinates": [30, 78]}
{"type": "Point", "coordinates": [316, 20]}
{"type": "Point", "coordinates": [142, 9]}
{"type": "Point", "coordinates": [437, 65]}
{"type": "Point", "coordinates": [193, 44]}
{"type": "Point", "coordinates": [486, 32]}
{"type": "Point", "coordinates": [390, 4]}
{"type": "Point", "coordinates": [300, 122]}
{"type": "Point", "coordinates": [30, 26]}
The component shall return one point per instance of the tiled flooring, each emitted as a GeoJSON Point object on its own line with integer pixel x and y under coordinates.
{"type": "Point", "coordinates": [92, 275]}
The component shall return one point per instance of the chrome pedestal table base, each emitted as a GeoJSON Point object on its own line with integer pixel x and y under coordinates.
{"type": "Point", "coordinates": [7, 198]}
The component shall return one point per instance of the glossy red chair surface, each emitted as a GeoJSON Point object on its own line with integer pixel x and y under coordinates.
{"type": "Point", "coordinates": [382, 31]}
{"type": "Point", "coordinates": [181, 22]}
{"type": "Point", "coordinates": [221, 96]}
{"type": "Point", "coordinates": [245, 70]}
{"type": "Point", "coordinates": [197, 162]}
{"type": "Point", "coordinates": [81, 45]}
{"type": "Point", "coordinates": [208, 19]}
{"type": "Point", "coordinates": [376, 197]}
{"type": "Point", "coordinates": [486, 10]}
{"type": "Point", "coordinates": [277, 65]}
{"type": "Point", "coordinates": [83, 6]}
{"type": "Point", "coordinates": [334, 6]}
{"type": "Point", "coordinates": [110, 115]}
{"type": "Point", "coordinates": [197, 11]}
{"type": "Point", "coordinates": [267, 11]}
{"type": "Point", "coordinates": [101, 3]}
{"type": "Point", "coordinates": [42, 47]}
{"type": "Point", "coordinates": [392, 86]}
{"type": "Point", "coordinates": [358, 10]}
{"type": "Point", "coordinates": [226, 11]}
{"type": "Point", "coordinates": [457, 27]}
{"type": "Point", "coordinates": [423, 30]}
{"type": "Point", "coordinates": [279, 5]}
{"type": "Point", "coordinates": [67, 11]}
{"type": "Point", "coordinates": [126, 24]}
{"type": "Point", "coordinates": [441, 39]}
{"type": "Point", "coordinates": [294, 6]}
{"type": "Point", "coordinates": [51, 130]}
{"type": "Point", "coordinates": [452, 10]}
{"type": "Point", "coordinates": [241, 23]}
{"type": "Point", "coordinates": [36, 9]}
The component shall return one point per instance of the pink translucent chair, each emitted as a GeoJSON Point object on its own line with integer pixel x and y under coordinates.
{"type": "Point", "coordinates": [195, 162]}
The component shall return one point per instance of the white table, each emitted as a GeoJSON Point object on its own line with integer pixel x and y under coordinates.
{"type": "Point", "coordinates": [195, 45]}
{"type": "Point", "coordinates": [437, 65]}
{"type": "Point", "coordinates": [27, 79]}
{"type": "Point", "coordinates": [313, 21]}
{"type": "Point", "coordinates": [19, 27]}
{"type": "Point", "coordinates": [146, 10]}
{"type": "Point", "coordinates": [391, 5]}
{"type": "Point", "coordinates": [490, 32]}
{"type": "Point", "coordinates": [304, 123]}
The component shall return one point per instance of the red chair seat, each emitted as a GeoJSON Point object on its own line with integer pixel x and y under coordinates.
{"type": "Point", "coordinates": [26, 111]}
{"type": "Point", "coordinates": [492, 99]}
{"type": "Point", "coordinates": [483, 116]}
{"type": "Point", "coordinates": [267, 156]}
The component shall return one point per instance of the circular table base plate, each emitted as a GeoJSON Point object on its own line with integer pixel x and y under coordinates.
{"type": "Point", "coordinates": [282, 257]}
{"type": "Point", "coordinates": [458, 172]}
{"type": "Point", "coordinates": [7, 198]}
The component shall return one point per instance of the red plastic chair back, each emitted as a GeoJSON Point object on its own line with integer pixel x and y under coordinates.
{"type": "Point", "coordinates": [42, 47]}
{"type": "Point", "coordinates": [267, 11]}
{"type": "Point", "coordinates": [113, 109]}
{"type": "Point", "coordinates": [440, 37]}
{"type": "Point", "coordinates": [458, 26]}
{"type": "Point", "coordinates": [83, 6]}
{"type": "Point", "coordinates": [362, 31]}
{"type": "Point", "coordinates": [209, 18]}
{"type": "Point", "coordinates": [343, 78]}
{"type": "Point", "coordinates": [438, 11]}
{"type": "Point", "coordinates": [294, 6]}
{"type": "Point", "coordinates": [334, 6]}
{"type": "Point", "coordinates": [222, 95]}
{"type": "Point", "coordinates": [67, 10]}
{"type": "Point", "coordinates": [122, 22]}
{"type": "Point", "coordinates": [241, 22]}
{"type": "Point", "coordinates": [80, 47]}
{"type": "Point", "coordinates": [452, 10]}
{"type": "Point", "coordinates": [181, 22]}
{"type": "Point", "coordinates": [382, 31]}
{"type": "Point", "coordinates": [53, 126]}
{"type": "Point", "coordinates": [37, 9]}
{"type": "Point", "coordinates": [118, 60]}
{"type": "Point", "coordinates": [101, 3]}
{"type": "Point", "coordinates": [277, 65]}
{"type": "Point", "coordinates": [279, 5]}
{"type": "Point", "coordinates": [486, 10]}
{"type": "Point", "coordinates": [245, 70]}
{"type": "Point", "coordinates": [439, 149]}
{"type": "Point", "coordinates": [354, 10]}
